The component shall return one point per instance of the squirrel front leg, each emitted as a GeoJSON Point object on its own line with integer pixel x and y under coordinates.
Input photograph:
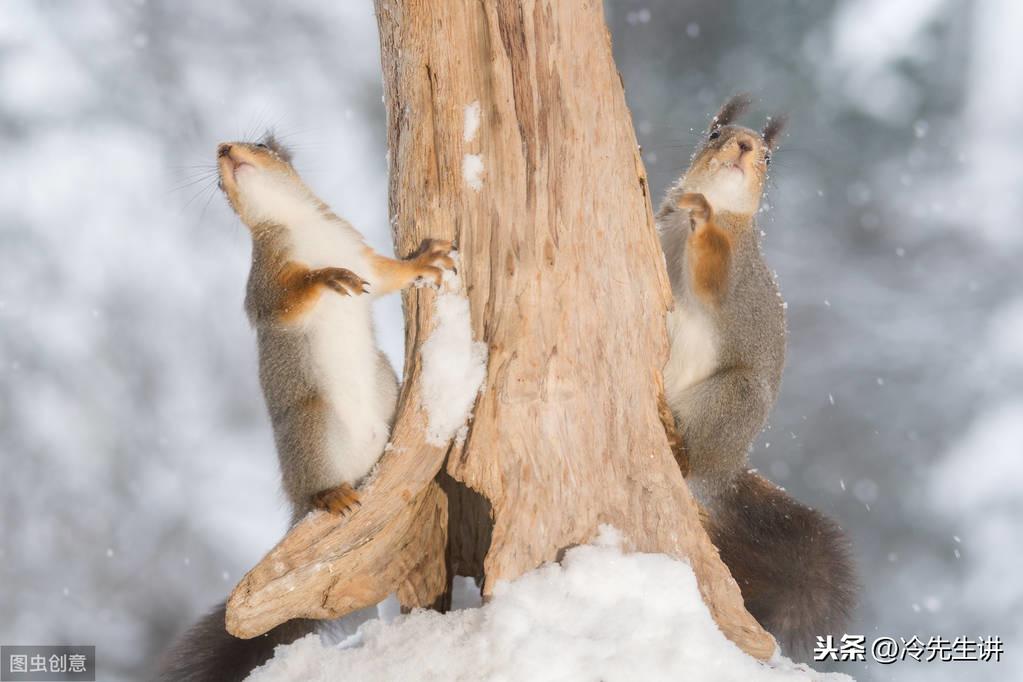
{"type": "Point", "coordinates": [301, 287]}
{"type": "Point", "coordinates": [709, 251]}
{"type": "Point", "coordinates": [429, 262]}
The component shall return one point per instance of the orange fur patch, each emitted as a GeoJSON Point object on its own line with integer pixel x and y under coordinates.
{"type": "Point", "coordinates": [710, 254]}
{"type": "Point", "coordinates": [302, 287]}
{"type": "Point", "coordinates": [342, 500]}
{"type": "Point", "coordinates": [298, 292]}
{"type": "Point", "coordinates": [391, 275]}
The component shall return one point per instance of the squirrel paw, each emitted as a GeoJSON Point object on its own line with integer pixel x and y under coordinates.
{"type": "Point", "coordinates": [342, 500]}
{"type": "Point", "coordinates": [344, 282]}
{"type": "Point", "coordinates": [432, 259]}
{"type": "Point", "coordinates": [698, 207]}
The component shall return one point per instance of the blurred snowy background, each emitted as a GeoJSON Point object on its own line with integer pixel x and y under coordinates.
{"type": "Point", "coordinates": [139, 479]}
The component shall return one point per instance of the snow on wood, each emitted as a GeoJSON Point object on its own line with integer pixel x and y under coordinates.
{"type": "Point", "coordinates": [471, 123]}
{"type": "Point", "coordinates": [454, 365]}
{"type": "Point", "coordinates": [472, 171]}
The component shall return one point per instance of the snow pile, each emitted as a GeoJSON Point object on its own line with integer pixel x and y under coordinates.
{"type": "Point", "coordinates": [454, 366]}
{"type": "Point", "coordinates": [472, 171]}
{"type": "Point", "coordinates": [600, 615]}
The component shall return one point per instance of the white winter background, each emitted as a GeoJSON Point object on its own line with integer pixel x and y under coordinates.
{"type": "Point", "coordinates": [139, 480]}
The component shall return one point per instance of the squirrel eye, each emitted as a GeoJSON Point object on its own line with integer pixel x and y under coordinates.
{"type": "Point", "coordinates": [767, 159]}
{"type": "Point", "coordinates": [715, 134]}
{"type": "Point", "coordinates": [261, 145]}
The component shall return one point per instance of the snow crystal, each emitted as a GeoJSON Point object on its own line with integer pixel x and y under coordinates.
{"type": "Point", "coordinates": [641, 16]}
{"type": "Point", "coordinates": [454, 365]}
{"type": "Point", "coordinates": [472, 171]}
{"type": "Point", "coordinates": [472, 121]}
{"type": "Point", "coordinates": [601, 614]}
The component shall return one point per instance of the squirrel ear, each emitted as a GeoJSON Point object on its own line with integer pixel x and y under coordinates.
{"type": "Point", "coordinates": [773, 129]}
{"type": "Point", "coordinates": [731, 110]}
{"type": "Point", "coordinates": [271, 141]}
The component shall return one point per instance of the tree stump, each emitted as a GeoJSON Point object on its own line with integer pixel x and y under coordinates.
{"type": "Point", "coordinates": [508, 132]}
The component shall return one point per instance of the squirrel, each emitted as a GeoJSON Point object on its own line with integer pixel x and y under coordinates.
{"type": "Point", "coordinates": [330, 391]}
{"type": "Point", "coordinates": [727, 351]}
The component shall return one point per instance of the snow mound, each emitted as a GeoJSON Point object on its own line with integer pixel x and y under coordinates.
{"type": "Point", "coordinates": [454, 365]}
{"type": "Point", "coordinates": [600, 615]}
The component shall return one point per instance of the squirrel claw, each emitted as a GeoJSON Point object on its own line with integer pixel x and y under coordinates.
{"type": "Point", "coordinates": [433, 258]}
{"type": "Point", "coordinates": [343, 281]}
{"type": "Point", "coordinates": [342, 500]}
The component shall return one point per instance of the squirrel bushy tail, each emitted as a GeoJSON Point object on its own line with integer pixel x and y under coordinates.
{"type": "Point", "coordinates": [791, 562]}
{"type": "Point", "coordinates": [209, 653]}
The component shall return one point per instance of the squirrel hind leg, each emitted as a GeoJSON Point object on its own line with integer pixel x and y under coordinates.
{"type": "Point", "coordinates": [342, 500]}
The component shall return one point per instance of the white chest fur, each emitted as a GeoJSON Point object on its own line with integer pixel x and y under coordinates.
{"type": "Point", "coordinates": [321, 242]}
{"type": "Point", "coordinates": [345, 362]}
{"type": "Point", "coordinates": [694, 353]}
{"type": "Point", "coordinates": [339, 329]}
{"type": "Point", "coordinates": [343, 351]}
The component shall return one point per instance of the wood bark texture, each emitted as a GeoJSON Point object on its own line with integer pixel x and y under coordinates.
{"type": "Point", "coordinates": [568, 289]}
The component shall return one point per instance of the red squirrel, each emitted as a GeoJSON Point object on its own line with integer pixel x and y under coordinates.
{"type": "Point", "coordinates": [330, 391]}
{"type": "Point", "coordinates": [727, 335]}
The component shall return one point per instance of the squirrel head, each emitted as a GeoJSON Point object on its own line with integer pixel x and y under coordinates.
{"type": "Point", "coordinates": [730, 168]}
{"type": "Point", "coordinates": [260, 183]}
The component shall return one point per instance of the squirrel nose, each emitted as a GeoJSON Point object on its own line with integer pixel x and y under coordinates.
{"type": "Point", "coordinates": [223, 150]}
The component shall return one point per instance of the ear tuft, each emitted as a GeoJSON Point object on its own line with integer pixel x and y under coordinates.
{"type": "Point", "coordinates": [271, 141]}
{"type": "Point", "coordinates": [773, 130]}
{"type": "Point", "coordinates": [731, 110]}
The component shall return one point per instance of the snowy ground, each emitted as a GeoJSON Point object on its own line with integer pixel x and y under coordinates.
{"type": "Point", "coordinates": [599, 615]}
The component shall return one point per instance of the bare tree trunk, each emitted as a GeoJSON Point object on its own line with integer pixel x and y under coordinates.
{"type": "Point", "coordinates": [548, 203]}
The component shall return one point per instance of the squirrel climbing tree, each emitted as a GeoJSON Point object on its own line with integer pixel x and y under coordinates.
{"type": "Point", "coordinates": [567, 288]}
